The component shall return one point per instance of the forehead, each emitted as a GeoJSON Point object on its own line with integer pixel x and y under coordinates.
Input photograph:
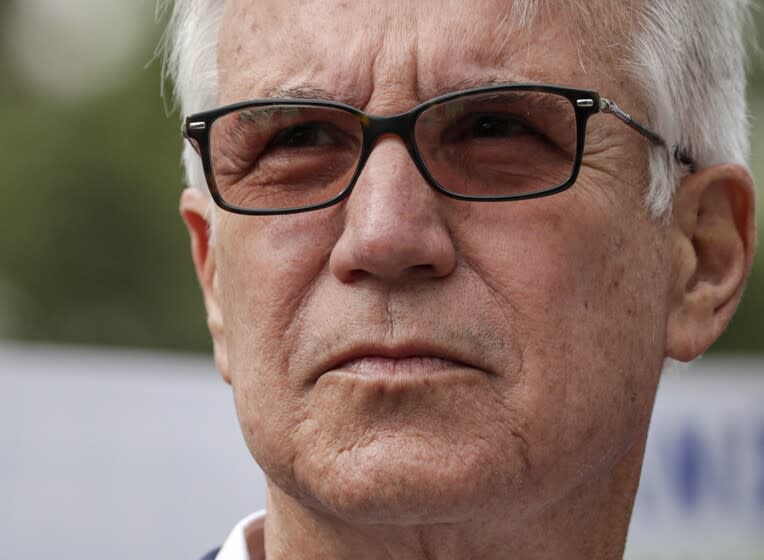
{"type": "Point", "coordinates": [358, 50]}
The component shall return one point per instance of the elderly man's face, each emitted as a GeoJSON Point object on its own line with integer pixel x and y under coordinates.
{"type": "Point", "coordinates": [407, 356]}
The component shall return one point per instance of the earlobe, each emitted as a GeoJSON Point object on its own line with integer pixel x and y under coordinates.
{"type": "Point", "coordinates": [195, 208]}
{"type": "Point", "coordinates": [713, 238]}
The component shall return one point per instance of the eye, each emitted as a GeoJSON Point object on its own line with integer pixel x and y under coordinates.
{"type": "Point", "coordinates": [497, 126]}
{"type": "Point", "coordinates": [486, 125]}
{"type": "Point", "coordinates": [305, 135]}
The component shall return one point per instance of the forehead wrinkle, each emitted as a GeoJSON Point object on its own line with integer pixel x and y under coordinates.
{"type": "Point", "coordinates": [507, 42]}
{"type": "Point", "coordinates": [394, 61]}
{"type": "Point", "coordinates": [277, 45]}
{"type": "Point", "coordinates": [370, 50]}
{"type": "Point", "coordinates": [596, 29]}
{"type": "Point", "coordinates": [495, 43]}
{"type": "Point", "coordinates": [513, 23]}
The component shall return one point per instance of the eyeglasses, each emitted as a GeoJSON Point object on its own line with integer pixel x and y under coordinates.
{"type": "Point", "coordinates": [493, 143]}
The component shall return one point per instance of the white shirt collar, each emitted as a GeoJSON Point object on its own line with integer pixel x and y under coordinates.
{"type": "Point", "coordinates": [249, 532]}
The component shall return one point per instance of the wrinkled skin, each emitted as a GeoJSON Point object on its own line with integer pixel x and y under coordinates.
{"type": "Point", "coordinates": [547, 320]}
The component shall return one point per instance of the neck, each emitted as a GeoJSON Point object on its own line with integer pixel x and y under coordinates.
{"type": "Point", "coordinates": [589, 523]}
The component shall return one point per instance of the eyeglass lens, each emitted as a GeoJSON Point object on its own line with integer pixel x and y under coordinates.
{"type": "Point", "coordinates": [481, 145]}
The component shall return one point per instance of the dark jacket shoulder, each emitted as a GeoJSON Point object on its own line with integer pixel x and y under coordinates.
{"type": "Point", "coordinates": [211, 554]}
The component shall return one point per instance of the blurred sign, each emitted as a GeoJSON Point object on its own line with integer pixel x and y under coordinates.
{"type": "Point", "coordinates": [702, 488]}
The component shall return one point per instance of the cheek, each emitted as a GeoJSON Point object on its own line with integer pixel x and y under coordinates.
{"type": "Point", "coordinates": [589, 322]}
{"type": "Point", "coordinates": [267, 269]}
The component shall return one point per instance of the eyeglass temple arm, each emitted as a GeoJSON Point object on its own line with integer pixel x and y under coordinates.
{"type": "Point", "coordinates": [184, 128]}
{"type": "Point", "coordinates": [679, 154]}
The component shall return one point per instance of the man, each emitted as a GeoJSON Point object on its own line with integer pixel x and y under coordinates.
{"type": "Point", "coordinates": [444, 322]}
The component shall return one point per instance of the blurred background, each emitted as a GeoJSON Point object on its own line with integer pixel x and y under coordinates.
{"type": "Point", "coordinates": [110, 410]}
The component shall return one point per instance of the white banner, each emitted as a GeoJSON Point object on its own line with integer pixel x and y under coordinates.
{"type": "Point", "coordinates": [138, 455]}
{"type": "Point", "coordinates": [702, 488]}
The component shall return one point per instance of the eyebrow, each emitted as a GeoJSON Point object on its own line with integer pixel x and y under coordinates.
{"type": "Point", "coordinates": [469, 83]}
{"type": "Point", "coordinates": [306, 92]}
{"type": "Point", "coordinates": [447, 86]}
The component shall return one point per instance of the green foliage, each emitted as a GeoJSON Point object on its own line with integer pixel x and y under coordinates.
{"type": "Point", "coordinates": [93, 249]}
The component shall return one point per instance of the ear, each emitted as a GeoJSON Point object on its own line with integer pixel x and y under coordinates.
{"type": "Point", "coordinates": [714, 237]}
{"type": "Point", "coordinates": [195, 208]}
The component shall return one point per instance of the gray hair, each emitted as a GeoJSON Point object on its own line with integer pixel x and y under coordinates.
{"type": "Point", "coordinates": [686, 57]}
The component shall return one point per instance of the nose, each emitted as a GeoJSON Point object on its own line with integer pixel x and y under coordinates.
{"type": "Point", "coordinates": [394, 230]}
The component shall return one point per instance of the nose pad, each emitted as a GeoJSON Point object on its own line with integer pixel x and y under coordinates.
{"type": "Point", "coordinates": [395, 228]}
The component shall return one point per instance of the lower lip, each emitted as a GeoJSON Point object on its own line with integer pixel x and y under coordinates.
{"type": "Point", "coordinates": [415, 366]}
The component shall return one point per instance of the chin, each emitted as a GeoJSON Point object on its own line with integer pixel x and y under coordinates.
{"type": "Point", "coordinates": [400, 482]}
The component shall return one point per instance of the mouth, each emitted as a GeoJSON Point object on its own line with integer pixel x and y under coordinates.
{"type": "Point", "coordinates": [401, 362]}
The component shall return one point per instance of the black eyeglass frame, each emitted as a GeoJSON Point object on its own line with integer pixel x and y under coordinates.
{"type": "Point", "coordinates": [196, 129]}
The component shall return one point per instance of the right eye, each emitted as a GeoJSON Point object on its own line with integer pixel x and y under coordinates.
{"type": "Point", "coordinates": [304, 135]}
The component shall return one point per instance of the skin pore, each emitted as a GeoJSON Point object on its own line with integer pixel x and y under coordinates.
{"type": "Point", "coordinates": [533, 332]}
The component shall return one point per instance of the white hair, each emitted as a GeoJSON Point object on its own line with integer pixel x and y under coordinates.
{"type": "Point", "coordinates": [688, 58]}
{"type": "Point", "coordinates": [685, 57]}
{"type": "Point", "coordinates": [189, 47]}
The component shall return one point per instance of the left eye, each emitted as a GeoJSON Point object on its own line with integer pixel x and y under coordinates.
{"type": "Point", "coordinates": [306, 135]}
{"type": "Point", "coordinates": [486, 125]}
{"type": "Point", "coordinates": [496, 126]}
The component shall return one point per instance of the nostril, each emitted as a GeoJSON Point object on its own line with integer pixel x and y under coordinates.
{"type": "Point", "coordinates": [405, 273]}
{"type": "Point", "coordinates": [355, 275]}
{"type": "Point", "coordinates": [423, 269]}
